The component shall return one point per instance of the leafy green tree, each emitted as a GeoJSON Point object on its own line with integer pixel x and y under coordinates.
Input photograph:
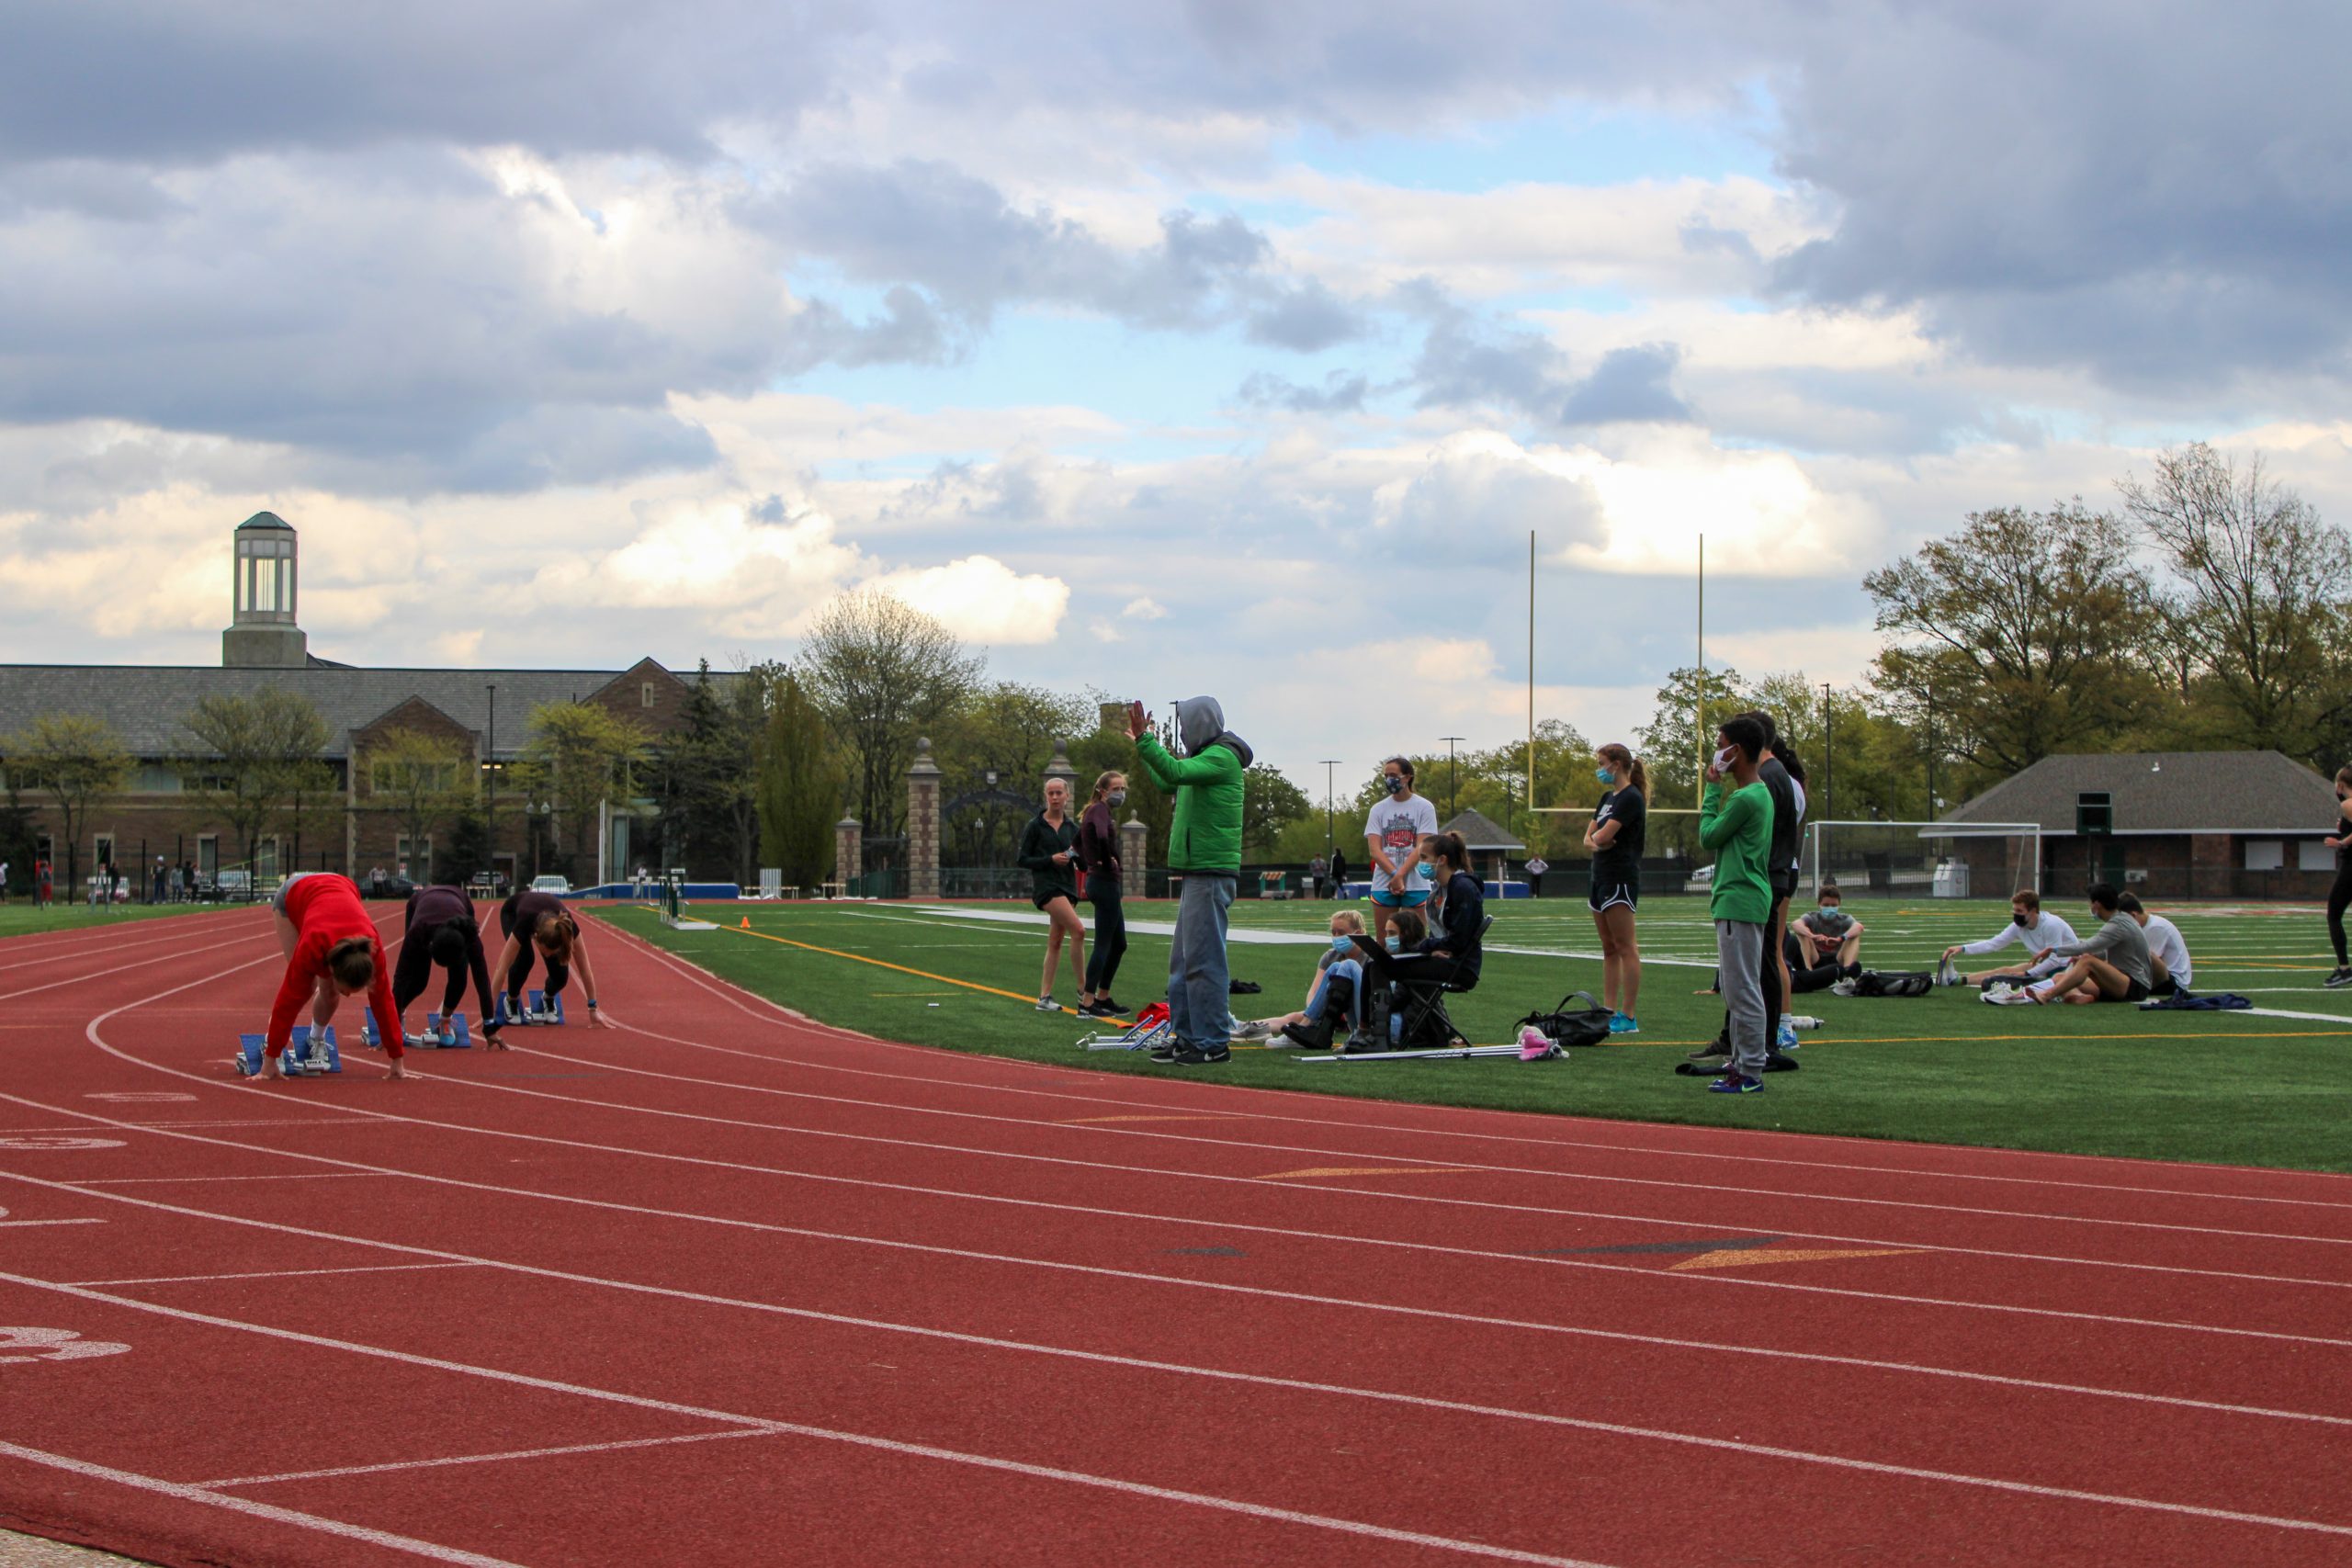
{"type": "Point", "coordinates": [580, 755]}
{"type": "Point", "coordinates": [1269, 803]}
{"type": "Point", "coordinates": [420, 780]}
{"type": "Point", "coordinates": [798, 790]}
{"type": "Point", "coordinates": [249, 747]}
{"type": "Point", "coordinates": [76, 762]}
{"type": "Point", "coordinates": [305, 786]}
{"type": "Point", "coordinates": [1011, 730]}
{"type": "Point", "coordinates": [2029, 629]}
{"type": "Point", "coordinates": [706, 772]}
{"type": "Point", "coordinates": [468, 846]}
{"type": "Point", "coordinates": [882, 674]}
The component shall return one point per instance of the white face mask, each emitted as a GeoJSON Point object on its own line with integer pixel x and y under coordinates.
{"type": "Point", "coordinates": [1726, 758]}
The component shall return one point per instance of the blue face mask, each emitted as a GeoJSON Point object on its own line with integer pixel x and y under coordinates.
{"type": "Point", "coordinates": [1343, 944]}
{"type": "Point", "coordinates": [1393, 945]}
{"type": "Point", "coordinates": [1604, 775]}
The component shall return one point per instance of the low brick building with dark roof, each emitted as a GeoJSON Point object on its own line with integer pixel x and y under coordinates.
{"type": "Point", "coordinates": [484, 712]}
{"type": "Point", "coordinates": [2170, 824]}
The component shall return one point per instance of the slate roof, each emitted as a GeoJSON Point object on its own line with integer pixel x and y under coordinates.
{"type": "Point", "coordinates": [2164, 791]}
{"type": "Point", "coordinates": [264, 520]}
{"type": "Point", "coordinates": [146, 702]}
{"type": "Point", "coordinates": [1479, 832]}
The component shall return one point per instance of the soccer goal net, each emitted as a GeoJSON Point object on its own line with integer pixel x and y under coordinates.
{"type": "Point", "coordinates": [1923, 860]}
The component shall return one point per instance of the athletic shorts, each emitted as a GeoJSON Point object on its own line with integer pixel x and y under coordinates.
{"type": "Point", "coordinates": [277, 899]}
{"type": "Point", "coordinates": [2167, 987]}
{"type": "Point", "coordinates": [2137, 991]}
{"type": "Point", "coordinates": [1628, 893]}
{"type": "Point", "coordinates": [1042, 900]}
{"type": "Point", "coordinates": [1389, 899]}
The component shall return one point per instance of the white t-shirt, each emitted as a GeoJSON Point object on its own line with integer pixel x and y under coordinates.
{"type": "Point", "coordinates": [1398, 825]}
{"type": "Point", "coordinates": [2048, 931]}
{"type": "Point", "coordinates": [2165, 946]}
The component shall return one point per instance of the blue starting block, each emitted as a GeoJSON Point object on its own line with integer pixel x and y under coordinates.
{"type": "Point", "coordinates": [304, 1058]}
{"type": "Point", "coordinates": [457, 1034]}
{"type": "Point", "coordinates": [537, 1009]}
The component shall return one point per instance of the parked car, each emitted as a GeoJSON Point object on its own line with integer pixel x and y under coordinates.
{"type": "Point", "coordinates": [387, 888]}
{"type": "Point", "coordinates": [551, 884]}
{"type": "Point", "coordinates": [1701, 879]}
{"type": "Point", "coordinates": [232, 886]}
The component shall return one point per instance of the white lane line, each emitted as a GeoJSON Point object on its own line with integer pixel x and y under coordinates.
{"type": "Point", "coordinates": [270, 1511]}
{"type": "Point", "coordinates": [775, 1014]}
{"type": "Point", "coordinates": [181, 1180]}
{"type": "Point", "coordinates": [280, 1274]}
{"type": "Point", "coordinates": [482, 1459]}
{"type": "Point", "coordinates": [11, 1225]}
{"type": "Point", "coordinates": [177, 953]}
{"type": "Point", "coordinates": [926, 1451]}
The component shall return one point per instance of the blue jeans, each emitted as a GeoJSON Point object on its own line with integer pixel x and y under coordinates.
{"type": "Point", "coordinates": [1199, 1012]}
{"type": "Point", "coordinates": [1349, 968]}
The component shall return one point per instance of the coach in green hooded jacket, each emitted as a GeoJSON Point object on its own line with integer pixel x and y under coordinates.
{"type": "Point", "coordinates": [1204, 846]}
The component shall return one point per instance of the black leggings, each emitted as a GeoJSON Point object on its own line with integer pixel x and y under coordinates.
{"type": "Point", "coordinates": [414, 976]}
{"type": "Point", "coordinates": [1110, 933]}
{"type": "Point", "coordinates": [559, 974]}
{"type": "Point", "coordinates": [2338, 898]}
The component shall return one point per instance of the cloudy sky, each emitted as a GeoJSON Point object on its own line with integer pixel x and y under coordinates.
{"type": "Point", "coordinates": [1165, 347]}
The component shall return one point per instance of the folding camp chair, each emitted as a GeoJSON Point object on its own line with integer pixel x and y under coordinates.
{"type": "Point", "coordinates": [1425, 1021]}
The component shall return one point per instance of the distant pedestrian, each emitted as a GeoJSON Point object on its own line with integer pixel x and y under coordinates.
{"type": "Point", "coordinates": [1535, 868]}
{"type": "Point", "coordinates": [44, 884]}
{"type": "Point", "coordinates": [1204, 846]}
{"type": "Point", "coordinates": [3, 880]}
{"type": "Point", "coordinates": [1098, 849]}
{"type": "Point", "coordinates": [1338, 874]}
{"type": "Point", "coordinates": [2339, 897]}
{"type": "Point", "coordinates": [162, 879]}
{"type": "Point", "coordinates": [1317, 870]}
{"type": "Point", "coordinates": [1049, 851]}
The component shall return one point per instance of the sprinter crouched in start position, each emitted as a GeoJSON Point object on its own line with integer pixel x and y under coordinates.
{"type": "Point", "coordinates": [538, 923]}
{"type": "Point", "coordinates": [441, 931]}
{"type": "Point", "coordinates": [331, 952]}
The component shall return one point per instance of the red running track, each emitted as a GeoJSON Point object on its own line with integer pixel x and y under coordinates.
{"type": "Point", "coordinates": [720, 1285]}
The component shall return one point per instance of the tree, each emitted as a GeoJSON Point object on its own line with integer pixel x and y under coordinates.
{"type": "Point", "coordinates": [77, 762]}
{"type": "Point", "coordinates": [882, 674]}
{"type": "Point", "coordinates": [1269, 803]}
{"type": "Point", "coordinates": [579, 756]}
{"type": "Point", "coordinates": [1011, 730]}
{"type": "Point", "coordinates": [2257, 605]}
{"type": "Point", "coordinates": [249, 745]}
{"type": "Point", "coordinates": [305, 785]}
{"type": "Point", "coordinates": [798, 791]}
{"type": "Point", "coordinates": [2029, 629]}
{"type": "Point", "coordinates": [707, 775]}
{"type": "Point", "coordinates": [469, 847]}
{"type": "Point", "coordinates": [421, 779]}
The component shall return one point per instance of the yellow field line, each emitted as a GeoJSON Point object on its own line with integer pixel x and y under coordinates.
{"type": "Point", "coordinates": [882, 963]}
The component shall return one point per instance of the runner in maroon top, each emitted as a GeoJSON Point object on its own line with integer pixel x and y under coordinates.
{"type": "Point", "coordinates": [442, 929]}
{"type": "Point", "coordinates": [333, 951]}
{"type": "Point", "coordinates": [537, 925]}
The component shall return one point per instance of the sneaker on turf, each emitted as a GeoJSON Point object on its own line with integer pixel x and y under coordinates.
{"type": "Point", "coordinates": [2338, 980]}
{"type": "Point", "coordinates": [1253, 1030]}
{"type": "Point", "coordinates": [1201, 1055]}
{"type": "Point", "coordinates": [1737, 1083]}
{"type": "Point", "coordinates": [1047, 1004]}
{"type": "Point", "coordinates": [1780, 1062]}
{"type": "Point", "coordinates": [1719, 1047]}
{"type": "Point", "coordinates": [1106, 1008]}
{"type": "Point", "coordinates": [1624, 1024]}
{"type": "Point", "coordinates": [1786, 1038]}
{"type": "Point", "coordinates": [1947, 973]}
{"type": "Point", "coordinates": [2009, 996]}
{"type": "Point", "coordinates": [1165, 1052]}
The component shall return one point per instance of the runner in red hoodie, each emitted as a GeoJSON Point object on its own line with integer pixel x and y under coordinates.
{"type": "Point", "coordinates": [331, 952]}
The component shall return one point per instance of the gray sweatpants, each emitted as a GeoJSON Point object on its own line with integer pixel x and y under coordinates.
{"type": "Point", "coordinates": [1739, 953]}
{"type": "Point", "coordinates": [1198, 1010]}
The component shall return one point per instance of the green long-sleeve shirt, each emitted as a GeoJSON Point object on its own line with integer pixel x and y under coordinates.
{"type": "Point", "coordinates": [1738, 827]}
{"type": "Point", "coordinates": [1205, 835]}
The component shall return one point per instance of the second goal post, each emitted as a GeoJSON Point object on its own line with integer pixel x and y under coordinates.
{"type": "Point", "coordinates": [1923, 860]}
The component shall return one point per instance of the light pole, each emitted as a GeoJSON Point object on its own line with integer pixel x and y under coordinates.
{"type": "Point", "coordinates": [1828, 744]}
{"type": "Point", "coordinates": [1449, 740]}
{"type": "Point", "coordinates": [1329, 841]}
{"type": "Point", "coordinates": [1931, 753]}
{"type": "Point", "coordinates": [489, 765]}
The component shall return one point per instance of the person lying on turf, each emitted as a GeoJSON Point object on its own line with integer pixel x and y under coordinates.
{"type": "Point", "coordinates": [441, 930]}
{"type": "Point", "coordinates": [1826, 939]}
{"type": "Point", "coordinates": [1331, 997]}
{"type": "Point", "coordinates": [2111, 966]}
{"type": "Point", "coordinates": [2169, 970]}
{"type": "Point", "coordinates": [331, 952]}
{"type": "Point", "coordinates": [2030, 924]}
{"type": "Point", "coordinates": [538, 923]}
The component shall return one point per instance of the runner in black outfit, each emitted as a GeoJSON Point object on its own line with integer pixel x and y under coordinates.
{"type": "Point", "coordinates": [441, 930]}
{"type": "Point", "coordinates": [1098, 853]}
{"type": "Point", "coordinates": [539, 924]}
{"type": "Point", "coordinates": [2340, 895]}
{"type": "Point", "coordinates": [1617, 838]}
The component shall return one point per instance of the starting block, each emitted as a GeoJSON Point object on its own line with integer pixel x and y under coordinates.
{"type": "Point", "coordinates": [1138, 1036]}
{"type": "Point", "coordinates": [457, 1034]}
{"type": "Point", "coordinates": [305, 1058]}
{"type": "Point", "coordinates": [537, 1008]}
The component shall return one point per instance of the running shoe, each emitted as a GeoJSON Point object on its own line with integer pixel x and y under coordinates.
{"type": "Point", "coordinates": [1104, 1007]}
{"type": "Point", "coordinates": [1780, 1062]}
{"type": "Point", "coordinates": [2009, 996]}
{"type": "Point", "coordinates": [1165, 1052]}
{"type": "Point", "coordinates": [1201, 1055]}
{"type": "Point", "coordinates": [1737, 1083]}
{"type": "Point", "coordinates": [1624, 1024]}
{"type": "Point", "coordinates": [1842, 989]}
{"type": "Point", "coordinates": [1719, 1047]}
{"type": "Point", "coordinates": [2338, 980]}
{"type": "Point", "coordinates": [1947, 973]}
{"type": "Point", "coordinates": [1253, 1030]}
{"type": "Point", "coordinates": [1047, 1004]}
{"type": "Point", "coordinates": [1787, 1039]}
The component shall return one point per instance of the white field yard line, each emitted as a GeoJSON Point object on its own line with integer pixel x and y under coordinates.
{"type": "Point", "coordinates": [1618, 1429]}
{"type": "Point", "coordinates": [763, 1009]}
{"type": "Point", "coordinates": [765, 1427]}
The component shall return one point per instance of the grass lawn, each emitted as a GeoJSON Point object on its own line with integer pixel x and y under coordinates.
{"type": "Point", "coordinates": [19, 917]}
{"type": "Point", "coordinates": [2251, 1088]}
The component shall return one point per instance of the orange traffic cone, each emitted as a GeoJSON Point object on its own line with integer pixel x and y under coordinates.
{"type": "Point", "coordinates": [747, 923]}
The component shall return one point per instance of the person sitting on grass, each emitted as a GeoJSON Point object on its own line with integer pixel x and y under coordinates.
{"type": "Point", "coordinates": [2112, 966]}
{"type": "Point", "coordinates": [1332, 996]}
{"type": "Point", "coordinates": [2168, 965]}
{"type": "Point", "coordinates": [1825, 946]}
{"type": "Point", "coordinates": [2030, 924]}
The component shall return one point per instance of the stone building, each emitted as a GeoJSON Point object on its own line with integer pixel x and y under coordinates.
{"type": "Point", "coordinates": [483, 714]}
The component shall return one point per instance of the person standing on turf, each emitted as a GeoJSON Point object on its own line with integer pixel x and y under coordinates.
{"type": "Point", "coordinates": [539, 923]}
{"type": "Point", "coordinates": [1397, 835]}
{"type": "Point", "coordinates": [2340, 895]}
{"type": "Point", "coordinates": [1617, 835]}
{"type": "Point", "coordinates": [1204, 847]}
{"type": "Point", "coordinates": [1049, 851]}
{"type": "Point", "coordinates": [441, 930]}
{"type": "Point", "coordinates": [44, 885]}
{"type": "Point", "coordinates": [1737, 825]}
{"type": "Point", "coordinates": [333, 951]}
{"type": "Point", "coordinates": [1098, 851]}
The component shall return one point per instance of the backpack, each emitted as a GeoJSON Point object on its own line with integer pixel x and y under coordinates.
{"type": "Point", "coordinates": [1564, 1025]}
{"type": "Point", "coordinates": [1894, 983]}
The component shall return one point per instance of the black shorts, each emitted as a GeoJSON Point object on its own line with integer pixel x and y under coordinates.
{"type": "Point", "coordinates": [1611, 895]}
{"type": "Point", "coordinates": [2167, 987]}
{"type": "Point", "coordinates": [1042, 900]}
{"type": "Point", "coordinates": [2135, 991]}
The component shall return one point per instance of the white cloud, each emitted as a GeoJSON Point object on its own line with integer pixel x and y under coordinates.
{"type": "Point", "coordinates": [983, 600]}
{"type": "Point", "coordinates": [1144, 609]}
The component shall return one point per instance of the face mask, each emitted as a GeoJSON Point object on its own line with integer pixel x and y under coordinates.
{"type": "Point", "coordinates": [1117, 797]}
{"type": "Point", "coordinates": [1604, 775]}
{"type": "Point", "coordinates": [1726, 758]}
{"type": "Point", "coordinates": [1394, 945]}
{"type": "Point", "coordinates": [1343, 944]}
{"type": "Point", "coordinates": [2021, 920]}
{"type": "Point", "coordinates": [1396, 783]}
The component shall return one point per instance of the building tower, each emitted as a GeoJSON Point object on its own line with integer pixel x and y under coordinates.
{"type": "Point", "coordinates": [262, 634]}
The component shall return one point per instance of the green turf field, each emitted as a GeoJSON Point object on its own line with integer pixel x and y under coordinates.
{"type": "Point", "coordinates": [19, 917]}
{"type": "Point", "coordinates": [2252, 1088]}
